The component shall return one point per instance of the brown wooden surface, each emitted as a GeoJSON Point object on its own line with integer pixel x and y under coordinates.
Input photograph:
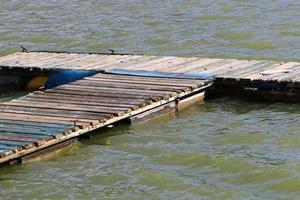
{"type": "Point", "coordinates": [82, 105]}
{"type": "Point", "coordinates": [222, 68]}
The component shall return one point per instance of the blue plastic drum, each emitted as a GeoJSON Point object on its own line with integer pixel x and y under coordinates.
{"type": "Point", "coordinates": [66, 76]}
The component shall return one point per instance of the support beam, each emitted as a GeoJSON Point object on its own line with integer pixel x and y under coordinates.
{"type": "Point", "coordinates": [189, 101]}
{"type": "Point", "coordinates": [165, 110]}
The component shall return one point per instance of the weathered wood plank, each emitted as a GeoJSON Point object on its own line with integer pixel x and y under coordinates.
{"type": "Point", "coordinates": [144, 78]}
{"type": "Point", "coordinates": [124, 64]}
{"type": "Point", "coordinates": [37, 140]}
{"type": "Point", "coordinates": [168, 64]}
{"type": "Point", "coordinates": [46, 119]}
{"type": "Point", "coordinates": [40, 62]}
{"type": "Point", "coordinates": [95, 99]}
{"type": "Point", "coordinates": [20, 58]}
{"type": "Point", "coordinates": [130, 86]}
{"type": "Point", "coordinates": [100, 94]}
{"type": "Point", "coordinates": [97, 64]}
{"type": "Point", "coordinates": [56, 113]}
{"type": "Point", "coordinates": [116, 90]}
{"type": "Point", "coordinates": [260, 75]}
{"type": "Point", "coordinates": [34, 124]}
{"type": "Point", "coordinates": [80, 102]}
{"type": "Point", "coordinates": [157, 61]}
{"type": "Point", "coordinates": [194, 65]}
{"type": "Point", "coordinates": [231, 67]}
{"type": "Point", "coordinates": [141, 82]}
{"type": "Point", "coordinates": [246, 71]}
{"type": "Point", "coordinates": [212, 66]}
{"type": "Point", "coordinates": [68, 107]}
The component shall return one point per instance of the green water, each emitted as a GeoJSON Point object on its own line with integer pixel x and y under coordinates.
{"type": "Point", "coordinates": [224, 149]}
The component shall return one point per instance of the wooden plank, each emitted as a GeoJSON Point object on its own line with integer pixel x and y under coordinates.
{"type": "Point", "coordinates": [99, 63]}
{"type": "Point", "coordinates": [124, 64]}
{"type": "Point", "coordinates": [287, 74]}
{"type": "Point", "coordinates": [49, 104]}
{"type": "Point", "coordinates": [176, 66]}
{"type": "Point", "coordinates": [118, 91]}
{"type": "Point", "coordinates": [228, 67]}
{"type": "Point", "coordinates": [29, 131]}
{"type": "Point", "coordinates": [195, 65]}
{"type": "Point", "coordinates": [39, 62]}
{"type": "Point", "coordinates": [37, 141]}
{"type": "Point", "coordinates": [34, 124]}
{"type": "Point", "coordinates": [140, 82]}
{"type": "Point", "coordinates": [56, 113]}
{"type": "Point", "coordinates": [144, 78]}
{"type": "Point", "coordinates": [260, 76]}
{"type": "Point", "coordinates": [209, 68]}
{"type": "Point", "coordinates": [46, 119]}
{"type": "Point", "coordinates": [10, 57]}
{"type": "Point", "coordinates": [104, 100]}
{"type": "Point", "coordinates": [78, 102]}
{"type": "Point", "coordinates": [68, 107]}
{"type": "Point", "coordinates": [8, 147]}
{"type": "Point", "coordinates": [102, 65]}
{"type": "Point", "coordinates": [242, 73]}
{"type": "Point", "coordinates": [136, 84]}
{"type": "Point", "coordinates": [255, 71]}
{"type": "Point", "coordinates": [130, 85]}
{"type": "Point", "coordinates": [169, 64]}
{"type": "Point", "coordinates": [157, 61]}
{"type": "Point", "coordinates": [73, 63]}
{"type": "Point", "coordinates": [16, 58]}
{"type": "Point", "coordinates": [100, 94]}
{"type": "Point", "coordinates": [30, 127]}
{"type": "Point", "coordinates": [14, 143]}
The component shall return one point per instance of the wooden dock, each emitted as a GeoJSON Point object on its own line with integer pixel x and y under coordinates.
{"type": "Point", "coordinates": [225, 69]}
{"type": "Point", "coordinates": [49, 118]}
{"type": "Point", "coordinates": [133, 87]}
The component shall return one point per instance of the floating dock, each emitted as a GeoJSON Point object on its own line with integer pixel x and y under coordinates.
{"type": "Point", "coordinates": [48, 118]}
{"type": "Point", "coordinates": [231, 69]}
{"type": "Point", "coordinates": [131, 87]}
{"type": "Point", "coordinates": [272, 80]}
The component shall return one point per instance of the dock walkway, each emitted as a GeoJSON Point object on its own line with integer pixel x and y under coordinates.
{"type": "Point", "coordinates": [47, 118]}
{"type": "Point", "coordinates": [222, 69]}
{"type": "Point", "coordinates": [123, 87]}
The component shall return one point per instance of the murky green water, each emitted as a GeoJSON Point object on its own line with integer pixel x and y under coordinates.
{"type": "Point", "coordinates": [224, 149]}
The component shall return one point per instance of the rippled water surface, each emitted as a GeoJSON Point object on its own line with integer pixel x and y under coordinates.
{"type": "Point", "coordinates": [223, 149]}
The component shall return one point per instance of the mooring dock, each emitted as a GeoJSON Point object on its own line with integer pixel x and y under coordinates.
{"type": "Point", "coordinates": [226, 69]}
{"type": "Point", "coordinates": [47, 119]}
{"type": "Point", "coordinates": [271, 80]}
{"type": "Point", "coordinates": [131, 87]}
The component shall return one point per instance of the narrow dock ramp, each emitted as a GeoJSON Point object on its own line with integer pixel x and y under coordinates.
{"type": "Point", "coordinates": [44, 119]}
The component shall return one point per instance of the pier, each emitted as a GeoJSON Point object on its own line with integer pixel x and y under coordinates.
{"type": "Point", "coordinates": [123, 87]}
{"type": "Point", "coordinates": [50, 118]}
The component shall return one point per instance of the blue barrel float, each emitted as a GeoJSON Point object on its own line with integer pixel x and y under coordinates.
{"type": "Point", "coordinates": [66, 76]}
{"type": "Point", "coordinates": [57, 78]}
